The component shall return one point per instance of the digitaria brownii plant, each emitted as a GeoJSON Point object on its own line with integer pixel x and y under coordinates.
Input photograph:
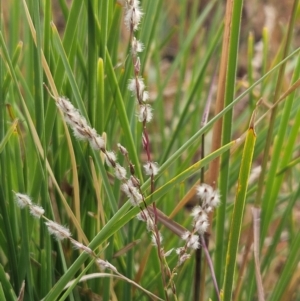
{"type": "Point", "coordinates": [131, 184]}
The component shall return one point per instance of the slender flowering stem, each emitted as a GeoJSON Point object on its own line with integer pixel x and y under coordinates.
{"type": "Point", "coordinates": [133, 15]}
{"type": "Point", "coordinates": [209, 200]}
{"type": "Point", "coordinates": [211, 267]}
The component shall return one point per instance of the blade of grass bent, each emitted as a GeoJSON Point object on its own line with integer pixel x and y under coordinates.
{"type": "Point", "coordinates": [238, 212]}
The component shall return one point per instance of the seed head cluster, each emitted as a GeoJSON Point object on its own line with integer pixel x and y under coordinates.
{"type": "Point", "coordinates": [58, 231]}
{"type": "Point", "coordinates": [209, 200]}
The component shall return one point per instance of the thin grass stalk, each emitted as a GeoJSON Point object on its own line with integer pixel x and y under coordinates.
{"type": "Point", "coordinates": [45, 242]}
{"type": "Point", "coordinates": [107, 284]}
{"type": "Point", "coordinates": [104, 11]}
{"type": "Point", "coordinates": [92, 58]}
{"type": "Point", "coordinates": [114, 33]}
{"type": "Point", "coordinates": [99, 123]}
{"type": "Point", "coordinates": [69, 38]}
{"type": "Point", "coordinates": [199, 282]}
{"type": "Point", "coordinates": [64, 8]}
{"type": "Point", "coordinates": [14, 11]}
{"type": "Point", "coordinates": [149, 27]}
{"type": "Point", "coordinates": [250, 68]}
{"type": "Point", "coordinates": [183, 65]}
{"type": "Point", "coordinates": [129, 262]}
{"type": "Point", "coordinates": [238, 212]}
{"type": "Point", "coordinates": [265, 41]}
{"type": "Point", "coordinates": [235, 23]}
{"type": "Point", "coordinates": [213, 171]}
{"type": "Point", "coordinates": [47, 30]}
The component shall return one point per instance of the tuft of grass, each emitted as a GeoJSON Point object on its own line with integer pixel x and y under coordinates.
{"type": "Point", "coordinates": [193, 63]}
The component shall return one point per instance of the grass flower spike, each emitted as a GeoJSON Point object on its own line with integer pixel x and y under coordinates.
{"type": "Point", "coordinates": [36, 211]}
{"type": "Point", "coordinates": [57, 230]}
{"type": "Point", "coordinates": [133, 14]}
{"type": "Point", "coordinates": [22, 200]}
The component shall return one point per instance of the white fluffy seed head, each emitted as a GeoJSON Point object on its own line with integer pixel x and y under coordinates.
{"type": "Point", "coordinates": [151, 168]}
{"type": "Point", "coordinates": [22, 200]}
{"type": "Point", "coordinates": [132, 193]}
{"type": "Point", "coordinates": [156, 239]}
{"type": "Point", "coordinates": [197, 210]}
{"type": "Point", "coordinates": [186, 235]}
{"type": "Point", "coordinates": [145, 113]}
{"type": "Point", "coordinates": [36, 211]}
{"type": "Point", "coordinates": [204, 191]}
{"type": "Point", "coordinates": [215, 199]}
{"type": "Point", "coordinates": [58, 231]}
{"type": "Point", "coordinates": [104, 264]}
{"type": "Point", "coordinates": [182, 258]}
{"type": "Point", "coordinates": [80, 246]}
{"type": "Point", "coordinates": [120, 172]}
{"type": "Point", "coordinates": [193, 242]}
{"type": "Point", "coordinates": [110, 158]}
{"type": "Point", "coordinates": [136, 86]}
{"type": "Point", "coordinates": [122, 149]}
{"type": "Point", "coordinates": [97, 142]}
{"type": "Point", "coordinates": [136, 46]}
{"type": "Point", "coordinates": [201, 226]}
{"type": "Point", "coordinates": [133, 14]}
{"type": "Point", "coordinates": [65, 105]}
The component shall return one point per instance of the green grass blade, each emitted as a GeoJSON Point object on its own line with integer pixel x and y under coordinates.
{"type": "Point", "coordinates": [226, 133]}
{"type": "Point", "coordinates": [238, 213]}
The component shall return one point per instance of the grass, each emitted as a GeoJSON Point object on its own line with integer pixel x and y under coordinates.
{"type": "Point", "coordinates": [247, 149]}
